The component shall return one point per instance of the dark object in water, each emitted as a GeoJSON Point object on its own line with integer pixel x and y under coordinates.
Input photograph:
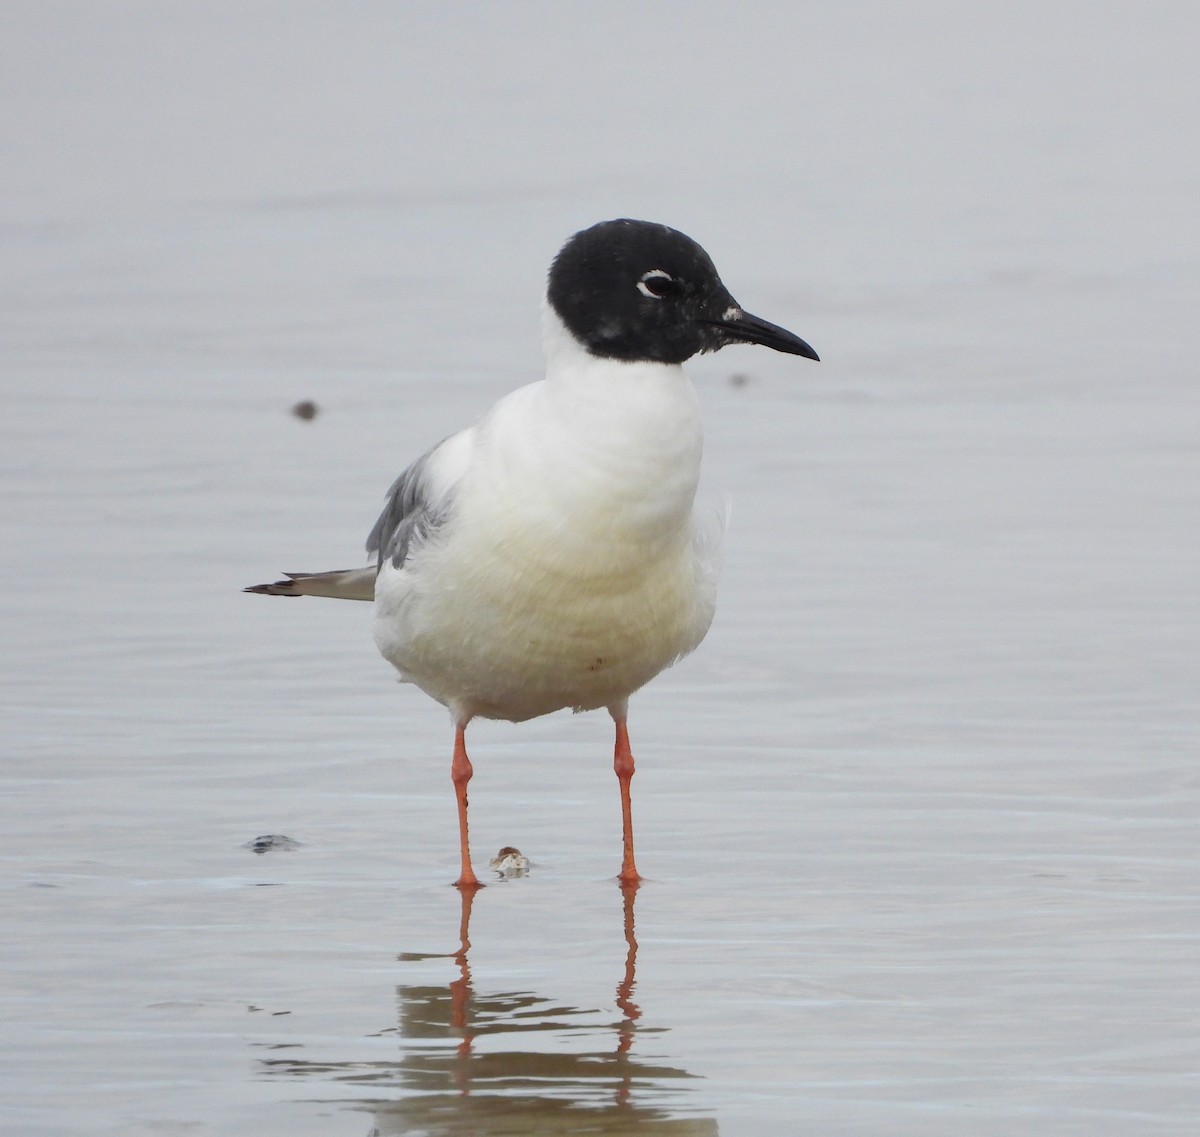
{"type": "Point", "coordinates": [272, 843]}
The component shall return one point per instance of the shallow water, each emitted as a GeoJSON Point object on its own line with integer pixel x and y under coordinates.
{"type": "Point", "coordinates": [919, 819]}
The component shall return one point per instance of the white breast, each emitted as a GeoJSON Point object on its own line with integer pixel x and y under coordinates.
{"type": "Point", "coordinates": [569, 573]}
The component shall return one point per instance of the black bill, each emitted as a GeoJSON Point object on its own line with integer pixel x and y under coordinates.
{"type": "Point", "coordinates": [741, 327]}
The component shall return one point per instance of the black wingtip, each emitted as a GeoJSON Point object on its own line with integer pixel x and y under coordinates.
{"type": "Point", "coordinates": [279, 588]}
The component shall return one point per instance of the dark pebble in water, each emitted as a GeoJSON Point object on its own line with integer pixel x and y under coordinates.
{"type": "Point", "coordinates": [305, 409]}
{"type": "Point", "coordinates": [271, 843]}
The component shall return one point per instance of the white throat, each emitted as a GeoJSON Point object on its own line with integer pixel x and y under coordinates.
{"type": "Point", "coordinates": [630, 430]}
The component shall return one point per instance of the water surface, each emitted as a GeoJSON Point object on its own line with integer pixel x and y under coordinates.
{"type": "Point", "coordinates": [919, 820]}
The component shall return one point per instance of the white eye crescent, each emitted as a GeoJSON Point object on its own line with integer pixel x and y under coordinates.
{"type": "Point", "coordinates": [656, 284]}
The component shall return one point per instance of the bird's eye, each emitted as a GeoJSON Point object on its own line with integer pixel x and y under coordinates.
{"type": "Point", "coordinates": [656, 284]}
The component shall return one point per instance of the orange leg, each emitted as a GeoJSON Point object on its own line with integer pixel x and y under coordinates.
{"type": "Point", "coordinates": [460, 774]}
{"type": "Point", "coordinates": [623, 764]}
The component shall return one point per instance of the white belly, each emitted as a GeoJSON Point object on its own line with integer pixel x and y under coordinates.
{"type": "Point", "coordinates": [513, 638]}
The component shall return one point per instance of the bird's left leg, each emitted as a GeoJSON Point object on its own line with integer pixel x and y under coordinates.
{"type": "Point", "coordinates": [460, 774]}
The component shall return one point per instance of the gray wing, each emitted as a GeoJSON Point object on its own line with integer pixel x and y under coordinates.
{"type": "Point", "coordinates": [418, 502]}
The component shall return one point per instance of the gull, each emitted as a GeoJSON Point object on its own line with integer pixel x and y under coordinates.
{"type": "Point", "coordinates": [551, 556]}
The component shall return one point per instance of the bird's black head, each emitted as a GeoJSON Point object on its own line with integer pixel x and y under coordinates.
{"type": "Point", "coordinates": [637, 291]}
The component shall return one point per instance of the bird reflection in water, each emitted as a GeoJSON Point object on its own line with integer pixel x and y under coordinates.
{"type": "Point", "coordinates": [454, 1084]}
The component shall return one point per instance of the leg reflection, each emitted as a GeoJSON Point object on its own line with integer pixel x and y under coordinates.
{"type": "Point", "coordinates": [629, 1008]}
{"type": "Point", "coordinates": [487, 1063]}
{"type": "Point", "coordinates": [460, 992]}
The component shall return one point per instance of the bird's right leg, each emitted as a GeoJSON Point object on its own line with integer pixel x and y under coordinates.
{"type": "Point", "coordinates": [460, 774]}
